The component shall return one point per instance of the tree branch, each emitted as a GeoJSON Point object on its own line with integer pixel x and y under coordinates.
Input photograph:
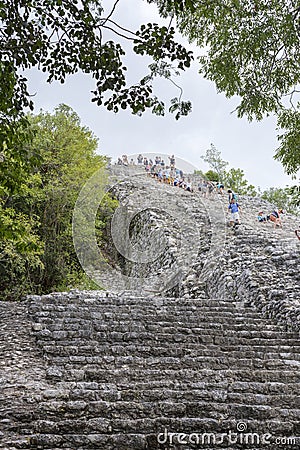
{"type": "Point", "coordinates": [291, 95]}
{"type": "Point", "coordinates": [119, 26]}
{"type": "Point", "coordinates": [112, 11]}
{"type": "Point", "coordinates": [119, 34]}
{"type": "Point", "coordinates": [177, 85]}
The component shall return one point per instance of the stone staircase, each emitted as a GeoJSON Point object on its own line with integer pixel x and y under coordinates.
{"type": "Point", "coordinates": [163, 369]}
{"type": "Point", "coordinates": [260, 265]}
{"type": "Point", "coordinates": [124, 372]}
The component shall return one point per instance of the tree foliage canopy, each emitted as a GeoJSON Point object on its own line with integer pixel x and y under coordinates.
{"type": "Point", "coordinates": [214, 159]}
{"type": "Point", "coordinates": [285, 198]}
{"type": "Point", "coordinates": [63, 37]}
{"type": "Point", "coordinates": [251, 49]}
{"type": "Point", "coordinates": [232, 178]}
{"type": "Point", "coordinates": [37, 199]}
{"type": "Point", "coordinates": [235, 179]}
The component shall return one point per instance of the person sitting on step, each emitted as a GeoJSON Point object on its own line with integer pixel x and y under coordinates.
{"type": "Point", "coordinates": [261, 217]}
{"type": "Point", "coordinates": [176, 181]}
{"type": "Point", "coordinates": [188, 186]}
{"type": "Point", "coordinates": [275, 217]}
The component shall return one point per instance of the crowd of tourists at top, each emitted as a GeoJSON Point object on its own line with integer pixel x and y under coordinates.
{"type": "Point", "coordinates": [163, 171]}
{"type": "Point", "coordinates": [166, 172]}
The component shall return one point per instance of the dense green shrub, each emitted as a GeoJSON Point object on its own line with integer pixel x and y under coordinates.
{"type": "Point", "coordinates": [37, 201]}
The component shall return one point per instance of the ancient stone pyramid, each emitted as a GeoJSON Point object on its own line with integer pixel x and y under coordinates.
{"type": "Point", "coordinates": [214, 366]}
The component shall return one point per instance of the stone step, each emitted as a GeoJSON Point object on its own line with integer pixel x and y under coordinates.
{"type": "Point", "coordinates": [104, 314]}
{"type": "Point", "coordinates": [178, 333]}
{"type": "Point", "coordinates": [141, 442]}
{"type": "Point", "coordinates": [121, 434]}
{"type": "Point", "coordinates": [183, 396]}
{"type": "Point", "coordinates": [61, 330]}
{"type": "Point", "coordinates": [255, 352]}
{"type": "Point", "coordinates": [62, 389]}
{"type": "Point", "coordinates": [199, 362]}
{"type": "Point", "coordinates": [94, 298]}
{"type": "Point", "coordinates": [128, 322]}
{"type": "Point", "coordinates": [122, 374]}
{"type": "Point", "coordinates": [73, 305]}
{"type": "Point", "coordinates": [155, 350]}
{"type": "Point", "coordinates": [263, 393]}
{"type": "Point", "coordinates": [101, 313]}
{"type": "Point", "coordinates": [171, 345]}
{"type": "Point", "coordinates": [137, 409]}
{"type": "Point", "coordinates": [149, 425]}
{"type": "Point", "coordinates": [129, 302]}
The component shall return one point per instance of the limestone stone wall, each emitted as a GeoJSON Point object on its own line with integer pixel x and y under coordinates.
{"type": "Point", "coordinates": [256, 264]}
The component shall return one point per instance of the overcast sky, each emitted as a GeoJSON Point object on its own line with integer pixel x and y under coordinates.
{"type": "Point", "coordinates": [250, 146]}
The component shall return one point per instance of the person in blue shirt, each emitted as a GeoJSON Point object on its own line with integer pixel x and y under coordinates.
{"type": "Point", "coordinates": [234, 209]}
{"type": "Point", "coordinates": [261, 217]}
